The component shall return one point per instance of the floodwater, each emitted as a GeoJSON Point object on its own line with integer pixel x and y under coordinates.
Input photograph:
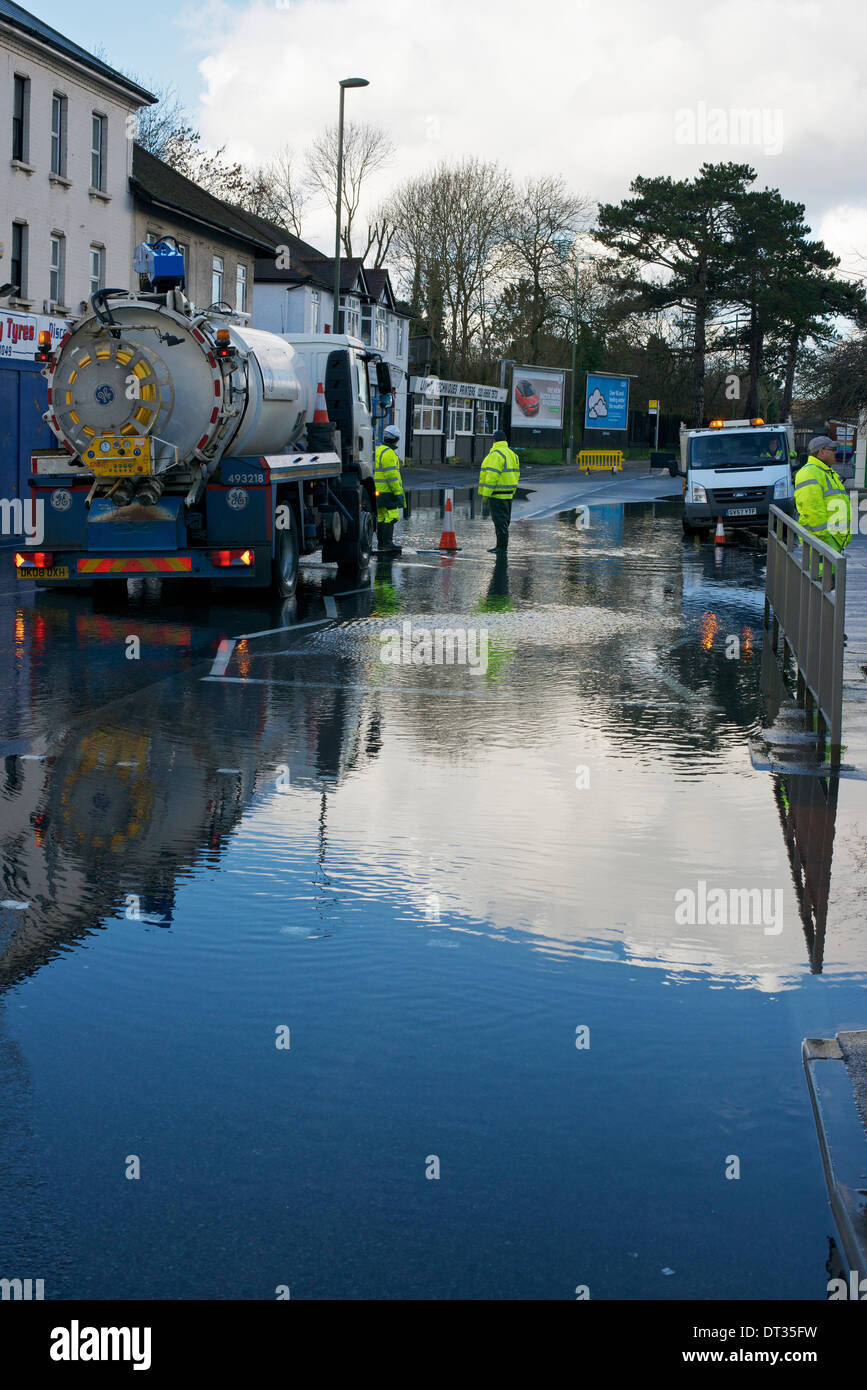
{"type": "Point", "coordinates": [380, 978]}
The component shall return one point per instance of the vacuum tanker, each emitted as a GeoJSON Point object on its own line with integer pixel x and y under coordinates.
{"type": "Point", "coordinates": [193, 445]}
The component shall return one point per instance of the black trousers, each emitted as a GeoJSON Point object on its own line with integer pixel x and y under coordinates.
{"type": "Point", "coordinates": [501, 516]}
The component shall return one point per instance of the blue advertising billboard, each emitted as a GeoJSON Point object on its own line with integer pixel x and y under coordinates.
{"type": "Point", "coordinates": [607, 406]}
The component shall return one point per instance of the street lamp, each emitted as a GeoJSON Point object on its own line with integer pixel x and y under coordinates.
{"type": "Point", "coordinates": [345, 82]}
{"type": "Point", "coordinates": [571, 453]}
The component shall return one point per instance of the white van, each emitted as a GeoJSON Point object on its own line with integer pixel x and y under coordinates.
{"type": "Point", "coordinates": [735, 469]}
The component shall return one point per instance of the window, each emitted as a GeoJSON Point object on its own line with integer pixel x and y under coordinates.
{"type": "Point", "coordinates": [97, 269]}
{"type": "Point", "coordinates": [381, 328]}
{"type": "Point", "coordinates": [20, 118]}
{"type": "Point", "coordinates": [367, 323]}
{"type": "Point", "coordinates": [460, 417]}
{"type": "Point", "coordinates": [58, 135]}
{"type": "Point", "coordinates": [56, 267]}
{"type": "Point", "coordinates": [314, 312]}
{"type": "Point", "coordinates": [241, 289]}
{"type": "Point", "coordinates": [352, 315]}
{"type": "Point", "coordinates": [363, 382]}
{"type": "Point", "coordinates": [18, 265]}
{"type": "Point", "coordinates": [427, 419]}
{"type": "Point", "coordinates": [185, 252]}
{"type": "Point", "coordinates": [97, 151]}
{"type": "Point", "coordinates": [399, 337]}
{"type": "Point", "coordinates": [487, 418]}
{"type": "Point", "coordinates": [216, 279]}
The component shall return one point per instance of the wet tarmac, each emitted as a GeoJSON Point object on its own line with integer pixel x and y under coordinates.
{"type": "Point", "coordinates": [409, 977]}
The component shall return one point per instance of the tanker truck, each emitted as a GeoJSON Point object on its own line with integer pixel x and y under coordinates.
{"type": "Point", "coordinates": [193, 446]}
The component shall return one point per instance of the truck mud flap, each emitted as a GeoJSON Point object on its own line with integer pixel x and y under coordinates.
{"type": "Point", "coordinates": [136, 527]}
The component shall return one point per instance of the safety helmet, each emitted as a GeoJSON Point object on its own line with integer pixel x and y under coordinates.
{"type": "Point", "coordinates": [392, 433]}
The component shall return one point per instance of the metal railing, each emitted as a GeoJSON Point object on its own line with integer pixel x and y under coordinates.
{"type": "Point", "coordinates": [805, 592]}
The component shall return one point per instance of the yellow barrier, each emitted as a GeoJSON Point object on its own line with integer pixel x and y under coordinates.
{"type": "Point", "coordinates": [593, 460]}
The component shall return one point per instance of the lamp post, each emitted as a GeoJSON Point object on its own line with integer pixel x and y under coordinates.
{"type": "Point", "coordinates": [345, 82]}
{"type": "Point", "coordinates": [571, 453]}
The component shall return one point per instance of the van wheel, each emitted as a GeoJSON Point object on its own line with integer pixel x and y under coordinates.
{"type": "Point", "coordinates": [690, 530]}
{"type": "Point", "coordinates": [284, 566]}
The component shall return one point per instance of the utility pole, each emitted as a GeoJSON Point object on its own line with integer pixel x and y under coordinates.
{"type": "Point", "coordinates": [571, 453]}
{"type": "Point", "coordinates": [345, 82]}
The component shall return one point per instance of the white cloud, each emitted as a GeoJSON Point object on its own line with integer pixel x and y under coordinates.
{"type": "Point", "coordinates": [549, 89]}
{"type": "Point", "coordinates": [844, 230]}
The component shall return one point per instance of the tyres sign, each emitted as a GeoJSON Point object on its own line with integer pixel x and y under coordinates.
{"type": "Point", "coordinates": [607, 406]}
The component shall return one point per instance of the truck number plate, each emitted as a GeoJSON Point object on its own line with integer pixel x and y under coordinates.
{"type": "Point", "coordinates": [741, 511]}
{"type": "Point", "coordinates": [39, 572]}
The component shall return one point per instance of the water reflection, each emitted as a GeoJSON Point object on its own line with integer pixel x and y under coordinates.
{"type": "Point", "coordinates": [598, 767]}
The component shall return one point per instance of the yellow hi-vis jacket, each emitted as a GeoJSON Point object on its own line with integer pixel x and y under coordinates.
{"type": "Point", "coordinates": [386, 478]}
{"type": "Point", "coordinates": [823, 503]}
{"type": "Point", "coordinates": [500, 471]}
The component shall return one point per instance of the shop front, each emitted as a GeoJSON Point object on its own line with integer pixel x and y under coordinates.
{"type": "Point", "coordinates": [452, 419]}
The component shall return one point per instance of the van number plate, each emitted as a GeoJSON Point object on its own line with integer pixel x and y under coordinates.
{"type": "Point", "coordinates": [741, 511]}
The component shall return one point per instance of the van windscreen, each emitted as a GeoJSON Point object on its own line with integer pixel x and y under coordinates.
{"type": "Point", "coordinates": [737, 449]}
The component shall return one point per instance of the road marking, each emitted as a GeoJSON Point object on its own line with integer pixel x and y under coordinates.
{"type": "Point", "coordinates": [564, 505]}
{"type": "Point", "coordinates": [224, 656]}
{"type": "Point", "coordinates": [330, 606]}
{"type": "Point", "coordinates": [290, 627]}
{"type": "Point", "coordinates": [345, 685]}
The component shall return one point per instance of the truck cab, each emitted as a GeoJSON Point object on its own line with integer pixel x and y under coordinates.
{"type": "Point", "coordinates": [316, 349]}
{"type": "Point", "coordinates": [736, 470]}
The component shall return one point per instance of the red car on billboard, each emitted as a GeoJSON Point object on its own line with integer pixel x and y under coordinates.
{"type": "Point", "coordinates": [525, 395]}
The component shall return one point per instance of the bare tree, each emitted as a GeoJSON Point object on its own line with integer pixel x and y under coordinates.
{"type": "Point", "coordinates": [366, 148]}
{"type": "Point", "coordinates": [451, 244]}
{"type": "Point", "coordinates": [380, 233]}
{"type": "Point", "coordinates": [277, 192]}
{"type": "Point", "coordinates": [542, 224]}
{"type": "Point", "coordinates": [165, 131]}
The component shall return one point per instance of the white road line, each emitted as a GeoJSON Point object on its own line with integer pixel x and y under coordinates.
{"type": "Point", "coordinates": [564, 505]}
{"type": "Point", "coordinates": [290, 627]}
{"type": "Point", "coordinates": [345, 685]}
{"type": "Point", "coordinates": [224, 656]}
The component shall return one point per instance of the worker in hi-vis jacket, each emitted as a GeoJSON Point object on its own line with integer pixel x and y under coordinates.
{"type": "Point", "coordinates": [498, 479]}
{"type": "Point", "coordinates": [389, 491]}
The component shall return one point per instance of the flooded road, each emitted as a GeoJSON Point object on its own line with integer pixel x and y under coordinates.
{"type": "Point", "coordinates": [328, 965]}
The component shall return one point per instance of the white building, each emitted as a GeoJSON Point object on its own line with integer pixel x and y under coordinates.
{"type": "Point", "coordinates": [67, 119]}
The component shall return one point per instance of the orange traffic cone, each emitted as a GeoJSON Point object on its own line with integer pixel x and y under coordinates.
{"type": "Point", "coordinates": [720, 537]}
{"type": "Point", "coordinates": [320, 413]}
{"type": "Point", "coordinates": [447, 539]}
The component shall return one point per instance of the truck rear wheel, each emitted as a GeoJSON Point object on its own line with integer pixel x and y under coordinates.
{"type": "Point", "coordinates": [284, 566]}
{"type": "Point", "coordinates": [353, 551]}
{"type": "Point", "coordinates": [366, 532]}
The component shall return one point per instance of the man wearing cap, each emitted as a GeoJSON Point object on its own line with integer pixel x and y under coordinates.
{"type": "Point", "coordinates": [498, 479]}
{"type": "Point", "coordinates": [389, 491]}
{"type": "Point", "coordinates": [822, 501]}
